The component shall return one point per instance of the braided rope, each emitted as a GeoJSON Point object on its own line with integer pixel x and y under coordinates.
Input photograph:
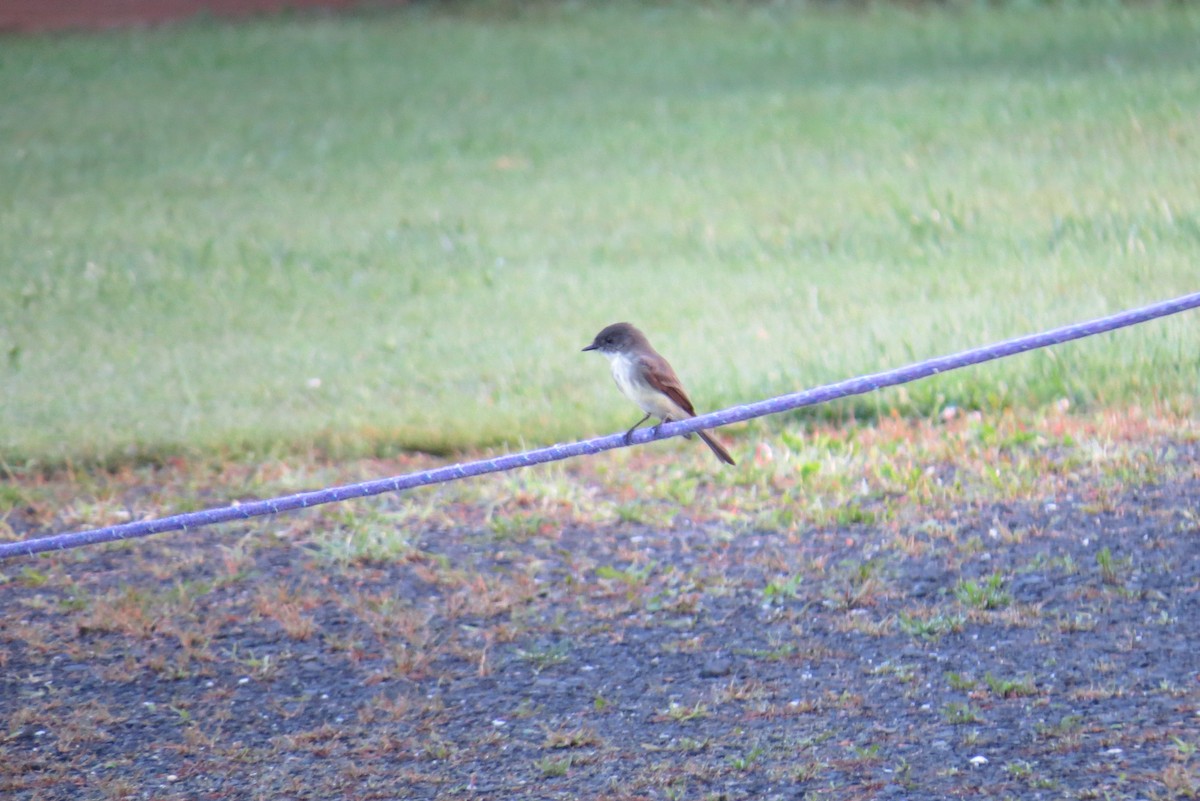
{"type": "Point", "coordinates": [553, 453]}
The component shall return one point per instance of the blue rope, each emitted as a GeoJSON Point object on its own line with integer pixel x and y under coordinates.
{"type": "Point", "coordinates": [553, 453]}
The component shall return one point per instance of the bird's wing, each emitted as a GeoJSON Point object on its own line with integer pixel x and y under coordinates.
{"type": "Point", "coordinates": [663, 378]}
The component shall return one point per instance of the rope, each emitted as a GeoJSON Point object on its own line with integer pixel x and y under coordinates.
{"type": "Point", "coordinates": [554, 453]}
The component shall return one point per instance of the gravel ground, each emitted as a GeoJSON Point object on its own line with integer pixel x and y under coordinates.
{"type": "Point", "coordinates": [1036, 649]}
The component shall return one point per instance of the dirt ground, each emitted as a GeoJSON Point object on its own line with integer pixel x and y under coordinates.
{"type": "Point", "coordinates": [1037, 648]}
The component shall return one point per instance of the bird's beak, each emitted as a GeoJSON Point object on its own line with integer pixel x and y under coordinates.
{"type": "Point", "coordinates": [589, 347]}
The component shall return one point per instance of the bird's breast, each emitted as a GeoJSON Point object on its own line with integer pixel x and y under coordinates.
{"type": "Point", "coordinates": [628, 375]}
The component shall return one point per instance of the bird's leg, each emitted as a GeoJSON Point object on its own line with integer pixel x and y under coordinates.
{"type": "Point", "coordinates": [629, 433]}
{"type": "Point", "coordinates": [669, 420]}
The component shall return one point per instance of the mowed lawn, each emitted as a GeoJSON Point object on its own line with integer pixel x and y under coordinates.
{"type": "Point", "coordinates": [396, 230]}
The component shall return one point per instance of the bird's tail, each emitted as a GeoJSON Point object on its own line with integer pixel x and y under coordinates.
{"type": "Point", "coordinates": [716, 448]}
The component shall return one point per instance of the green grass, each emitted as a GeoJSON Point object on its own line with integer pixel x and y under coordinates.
{"type": "Point", "coordinates": [398, 229]}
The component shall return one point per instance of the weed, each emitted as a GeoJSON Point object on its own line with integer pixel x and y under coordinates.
{"type": "Point", "coordinates": [866, 753]}
{"type": "Point", "coordinates": [1111, 568]}
{"type": "Point", "coordinates": [33, 577]}
{"type": "Point", "coordinates": [1067, 728]}
{"type": "Point", "coordinates": [959, 682]}
{"type": "Point", "coordinates": [631, 577]}
{"type": "Point", "coordinates": [1184, 750]}
{"type": "Point", "coordinates": [852, 514]}
{"type": "Point", "coordinates": [682, 714]}
{"type": "Point", "coordinates": [783, 589]}
{"type": "Point", "coordinates": [1010, 688]}
{"type": "Point", "coordinates": [931, 627]}
{"type": "Point", "coordinates": [989, 594]}
{"type": "Point", "coordinates": [262, 668]}
{"type": "Point", "coordinates": [436, 748]}
{"type": "Point", "coordinates": [571, 738]}
{"type": "Point", "coordinates": [520, 526]}
{"type": "Point", "coordinates": [288, 610]}
{"type": "Point", "coordinates": [776, 653]}
{"type": "Point", "coordinates": [745, 761]}
{"type": "Point", "coordinates": [1181, 781]}
{"type": "Point", "coordinates": [1076, 621]}
{"type": "Point", "coordinates": [363, 537]}
{"type": "Point", "coordinates": [958, 713]}
{"type": "Point", "coordinates": [905, 674]}
{"type": "Point", "coordinates": [858, 584]}
{"type": "Point", "coordinates": [691, 745]}
{"type": "Point", "coordinates": [546, 656]}
{"type": "Point", "coordinates": [554, 767]}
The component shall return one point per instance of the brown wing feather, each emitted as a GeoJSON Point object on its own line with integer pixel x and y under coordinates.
{"type": "Point", "coordinates": [660, 375]}
{"type": "Point", "coordinates": [663, 378]}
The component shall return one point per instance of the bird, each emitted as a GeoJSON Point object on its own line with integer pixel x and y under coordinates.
{"type": "Point", "coordinates": [646, 378]}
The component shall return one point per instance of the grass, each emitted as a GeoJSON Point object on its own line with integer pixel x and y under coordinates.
{"type": "Point", "coordinates": [396, 230]}
{"type": "Point", "coordinates": [986, 594]}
